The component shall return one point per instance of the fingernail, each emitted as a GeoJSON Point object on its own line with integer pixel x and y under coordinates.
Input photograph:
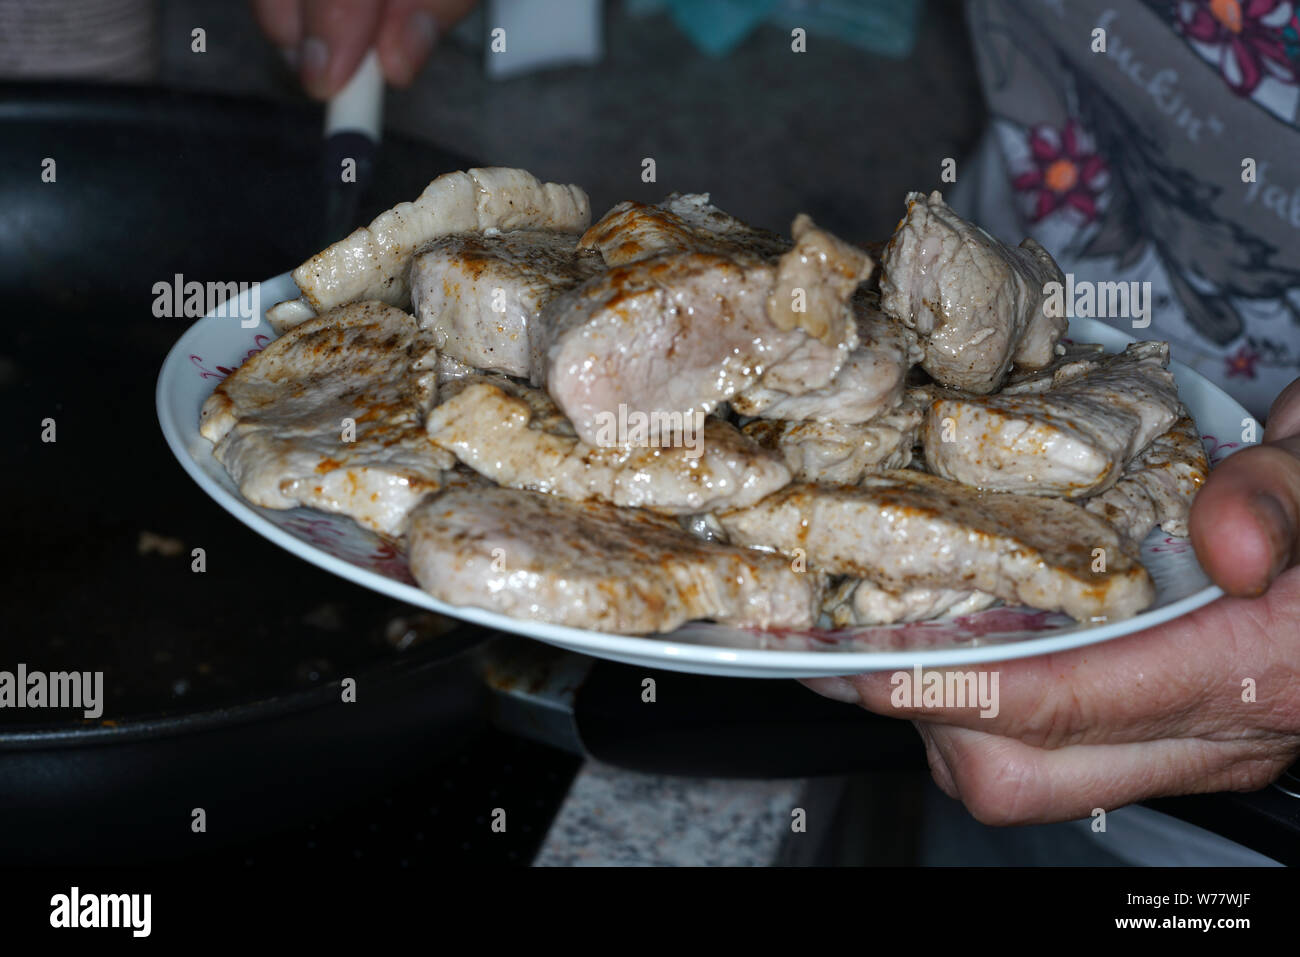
{"type": "Point", "coordinates": [314, 61]}
{"type": "Point", "coordinates": [421, 33]}
{"type": "Point", "coordinates": [939, 770]}
{"type": "Point", "coordinates": [837, 689]}
{"type": "Point", "coordinates": [1277, 523]}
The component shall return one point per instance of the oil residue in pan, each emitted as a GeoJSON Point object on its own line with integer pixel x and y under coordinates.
{"type": "Point", "coordinates": [102, 528]}
{"type": "Point", "coordinates": [101, 523]}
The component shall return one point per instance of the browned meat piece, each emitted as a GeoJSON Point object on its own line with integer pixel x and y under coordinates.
{"type": "Point", "coordinates": [906, 529]}
{"type": "Point", "coordinates": [856, 602]}
{"type": "Point", "coordinates": [498, 435]}
{"type": "Point", "coordinates": [373, 263]}
{"type": "Point", "coordinates": [868, 384]}
{"type": "Point", "coordinates": [838, 453]}
{"type": "Point", "coordinates": [1158, 486]}
{"type": "Point", "coordinates": [281, 421]}
{"type": "Point", "coordinates": [684, 222]}
{"type": "Point", "coordinates": [588, 565]}
{"type": "Point", "coordinates": [1072, 360]}
{"type": "Point", "coordinates": [1072, 440]}
{"type": "Point", "coordinates": [683, 331]}
{"type": "Point", "coordinates": [978, 304]}
{"type": "Point", "coordinates": [481, 296]}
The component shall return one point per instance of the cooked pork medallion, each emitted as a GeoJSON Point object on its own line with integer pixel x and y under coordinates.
{"type": "Point", "coordinates": [589, 565]}
{"type": "Point", "coordinates": [679, 333]}
{"type": "Point", "coordinates": [978, 304]}
{"type": "Point", "coordinates": [906, 529]}
{"type": "Point", "coordinates": [482, 295]}
{"type": "Point", "coordinates": [1158, 486]}
{"type": "Point", "coordinates": [816, 280]}
{"type": "Point", "coordinates": [856, 602]}
{"type": "Point", "coordinates": [502, 437]}
{"type": "Point", "coordinates": [835, 452]}
{"type": "Point", "coordinates": [374, 261]}
{"type": "Point", "coordinates": [1072, 440]}
{"type": "Point", "coordinates": [331, 415]}
{"type": "Point", "coordinates": [682, 332]}
{"type": "Point", "coordinates": [868, 384]}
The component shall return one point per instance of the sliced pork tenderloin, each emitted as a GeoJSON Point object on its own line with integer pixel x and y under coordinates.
{"type": "Point", "coordinates": [978, 304]}
{"type": "Point", "coordinates": [590, 565]}
{"type": "Point", "coordinates": [907, 529]}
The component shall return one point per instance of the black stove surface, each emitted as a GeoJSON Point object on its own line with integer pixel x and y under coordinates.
{"type": "Point", "coordinates": [439, 815]}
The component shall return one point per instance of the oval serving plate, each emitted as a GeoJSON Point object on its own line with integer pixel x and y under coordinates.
{"type": "Point", "coordinates": [216, 344]}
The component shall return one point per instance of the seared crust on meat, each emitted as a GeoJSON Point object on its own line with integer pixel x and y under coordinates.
{"type": "Point", "coordinates": [1158, 486]}
{"type": "Point", "coordinates": [672, 415]}
{"type": "Point", "coordinates": [502, 437]}
{"type": "Point", "coordinates": [331, 415]}
{"type": "Point", "coordinates": [589, 565]}
{"type": "Point", "coordinates": [372, 262]}
{"type": "Point", "coordinates": [905, 529]}
{"type": "Point", "coordinates": [1072, 440]}
{"type": "Point", "coordinates": [978, 304]}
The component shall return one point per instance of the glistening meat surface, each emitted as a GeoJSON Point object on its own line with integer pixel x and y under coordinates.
{"type": "Point", "coordinates": [373, 262]}
{"type": "Point", "coordinates": [331, 415]}
{"type": "Point", "coordinates": [978, 304]}
{"type": "Point", "coordinates": [683, 331]}
{"type": "Point", "coordinates": [482, 296]}
{"type": "Point", "coordinates": [503, 437]}
{"type": "Point", "coordinates": [1072, 440]}
{"type": "Point", "coordinates": [905, 529]}
{"type": "Point", "coordinates": [1157, 487]}
{"type": "Point", "coordinates": [589, 565]}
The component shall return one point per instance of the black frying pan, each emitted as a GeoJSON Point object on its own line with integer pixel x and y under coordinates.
{"type": "Point", "coordinates": [222, 688]}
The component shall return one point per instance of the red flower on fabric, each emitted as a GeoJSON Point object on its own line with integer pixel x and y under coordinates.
{"type": "Point", "coordinates": [1067, 174]}
{"type": "Point", "coordinates": [1242, 362]}
{"type": "Point", "coordinates": [1252, 37]}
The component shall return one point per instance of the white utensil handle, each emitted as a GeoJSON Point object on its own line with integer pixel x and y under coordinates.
{"type": "Point", "coordinates": [359, 106]}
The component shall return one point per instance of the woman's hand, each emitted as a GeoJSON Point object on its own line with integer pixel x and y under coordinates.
{"type": "Point", "coordinates": [1208, 702]}
{"type": "Point", "coordinates": [326, 39]}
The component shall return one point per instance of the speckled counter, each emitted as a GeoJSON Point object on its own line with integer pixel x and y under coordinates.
{"type": "Point", "coordinates": [613, 817]}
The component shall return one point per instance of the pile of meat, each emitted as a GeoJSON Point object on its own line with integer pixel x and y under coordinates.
{"type": "Point", "coordinates": [671, 415]}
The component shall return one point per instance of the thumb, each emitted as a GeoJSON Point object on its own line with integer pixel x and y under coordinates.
{"type": "Point", "coordinates": [1244, 521]}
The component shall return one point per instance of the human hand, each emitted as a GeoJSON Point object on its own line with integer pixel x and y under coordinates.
{"type": "Point", "coordinates": [1160, 712]}
{"type": "Point", "coordinates": [326, 39]}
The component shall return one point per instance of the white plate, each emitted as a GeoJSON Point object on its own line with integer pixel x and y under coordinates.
{"type": "Point", "coordinates": [215, 345]}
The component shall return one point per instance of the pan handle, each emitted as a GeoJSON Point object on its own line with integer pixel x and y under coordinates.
{"type": "Point", "coordinates": [707, 726]}
{"type": "Point", "coordinates": [688, 725]}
